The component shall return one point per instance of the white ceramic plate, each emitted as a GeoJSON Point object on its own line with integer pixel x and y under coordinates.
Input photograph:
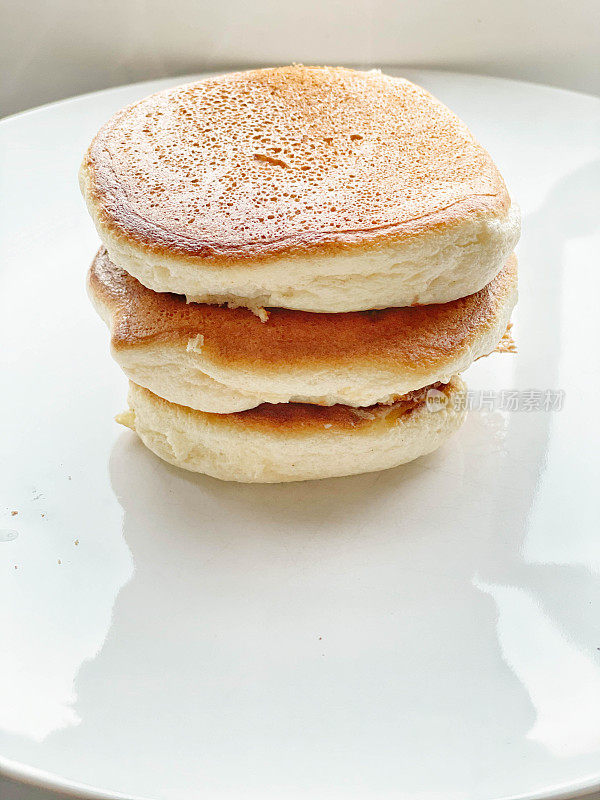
{"type": "Point", "coordinates": [430, 632]}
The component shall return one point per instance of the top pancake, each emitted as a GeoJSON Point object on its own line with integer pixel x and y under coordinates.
{"type": "Point", "coordinates": [251, 165]}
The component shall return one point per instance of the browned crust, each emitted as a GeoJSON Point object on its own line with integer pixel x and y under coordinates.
{"type": "Point", "coordinates": [507, 344]}
{"type": "Point", "coordinates": [289, 160]}
{"type": "Point", "coordinates": [414, 337]}
{"type": "Point", "coordinates": [304, 418]}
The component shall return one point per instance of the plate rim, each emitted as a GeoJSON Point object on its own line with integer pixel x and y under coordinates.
{"type": "Point", "coordinates": [188, 77]}
{"type": "Point", "coordinates": [42, 779]}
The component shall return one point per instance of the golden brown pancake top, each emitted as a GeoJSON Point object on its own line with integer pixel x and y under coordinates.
{"type": "Point", "coordinates": [417, 336]}
{"type": "Point", "coordinates": [284, 160]}
{"type": "Point", "coordinates": [305, 418]}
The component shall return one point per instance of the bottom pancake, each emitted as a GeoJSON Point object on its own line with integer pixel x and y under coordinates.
{"type": "Point", "coordinates": [296, 441]}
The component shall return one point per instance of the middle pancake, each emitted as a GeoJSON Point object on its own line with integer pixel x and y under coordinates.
{"type": "Point", "coordinates": [222, 360]}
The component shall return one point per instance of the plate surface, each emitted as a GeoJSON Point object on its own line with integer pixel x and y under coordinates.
{"type": "Point", "coordinates": [430, 632]}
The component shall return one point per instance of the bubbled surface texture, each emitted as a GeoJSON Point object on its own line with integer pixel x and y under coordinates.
{"type": "Point", "coordinates": [257, 163]}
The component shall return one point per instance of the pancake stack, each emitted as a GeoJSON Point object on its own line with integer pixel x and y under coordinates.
{"type": "Point", "coordinates": [297, 262]}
